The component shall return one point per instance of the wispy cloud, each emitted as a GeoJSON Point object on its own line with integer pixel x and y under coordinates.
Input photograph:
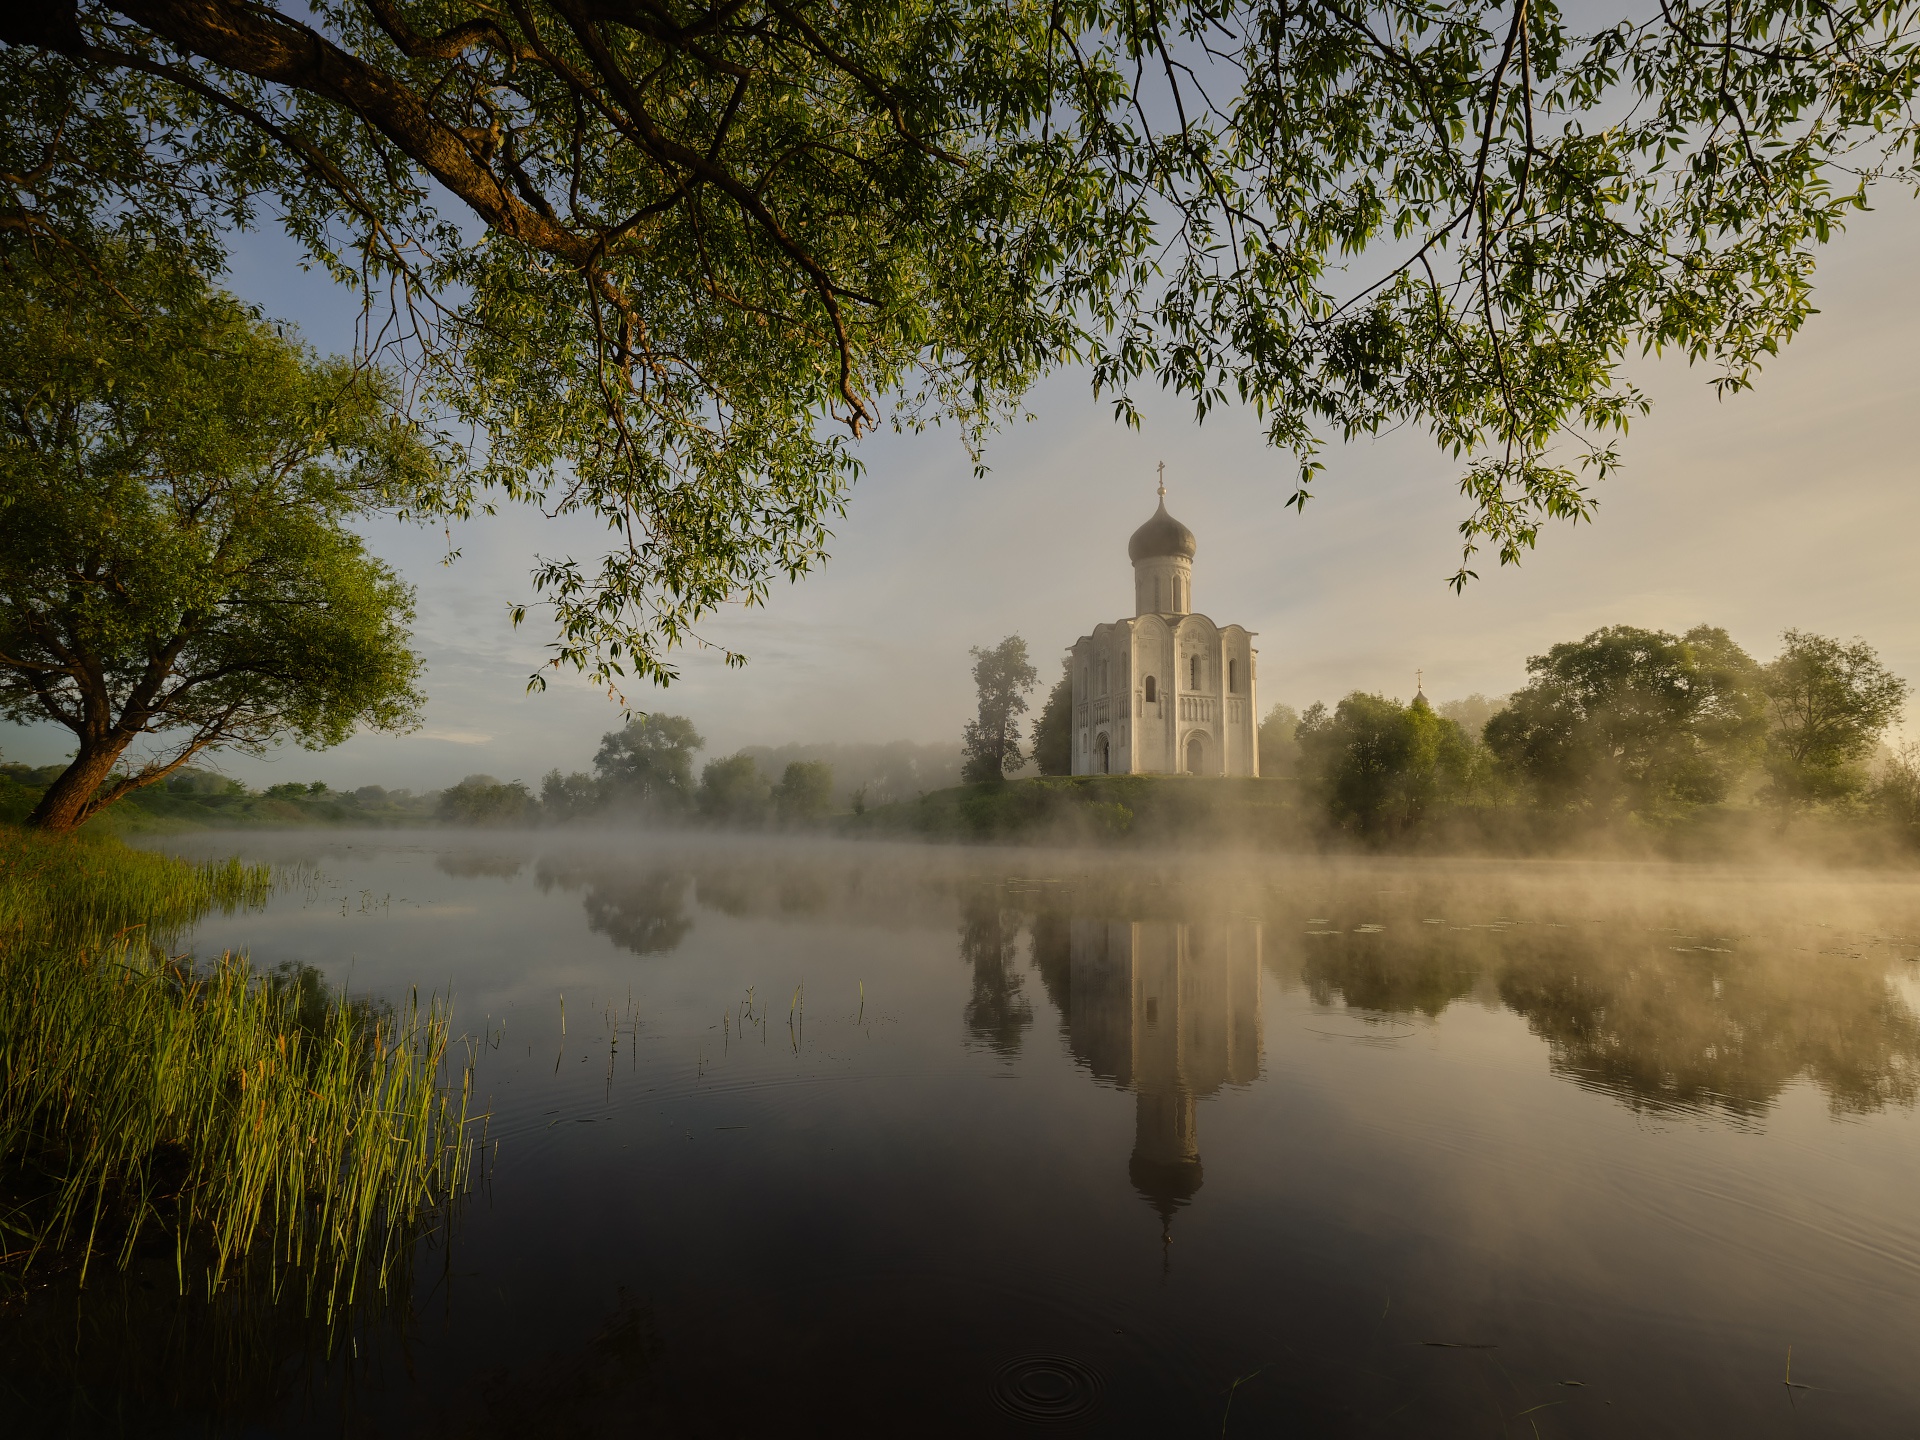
{"type": "Point", "coordinates": [453, 737]}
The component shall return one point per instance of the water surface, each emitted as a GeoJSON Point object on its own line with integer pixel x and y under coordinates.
{"type": "Point", "coordinates": [851, 1138]}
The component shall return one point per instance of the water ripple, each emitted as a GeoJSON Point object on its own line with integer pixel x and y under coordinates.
{"type": "Point", "coordinates": [1047, 1388]}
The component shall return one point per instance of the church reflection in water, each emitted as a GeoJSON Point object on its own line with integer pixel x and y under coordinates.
{"type": "Point", "coordinates": [1171, 1011]}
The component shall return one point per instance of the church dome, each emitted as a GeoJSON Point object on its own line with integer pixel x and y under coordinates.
{"type": "Point", "coordinates": [1161, 536]}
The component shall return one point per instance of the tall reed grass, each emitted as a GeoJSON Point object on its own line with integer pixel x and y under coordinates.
{"type": "Point", "coordinates": [87, 890]}
{"type": "Point", "coordinates": [241, 1117]}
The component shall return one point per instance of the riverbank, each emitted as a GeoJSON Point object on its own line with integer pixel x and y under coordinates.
{"type": "Point", "coordinates": [1098, 809]}
{"type": "Point", "coordinates": [1122, 812]}
{"type": "Point", "coordinates": [1166, 811]}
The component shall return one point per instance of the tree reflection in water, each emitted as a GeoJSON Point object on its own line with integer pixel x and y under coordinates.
{"type": "Point", "coordinates": [480, 864]}
{"type": "Point", "coordinates": [1670, 1025]}
{"type": "Point", "coordinates": [1635, 993]}
{"type": "Point", "coordinates": [1391, 978]}
{"type": "Point", "coordinates": [639, 907]}
{"type": "Point", "coordinates": [997, 1012]}
{"type": "Point", "coordinates": [1662, 1016]}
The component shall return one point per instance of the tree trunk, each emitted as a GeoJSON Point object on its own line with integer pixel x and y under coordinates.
{"type": "Point", "coordinates": [69, 800]}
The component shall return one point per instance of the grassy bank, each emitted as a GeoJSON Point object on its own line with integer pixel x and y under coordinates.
{"type": "Point", "coordinates": [1097, 809]}
{"type": "Point", "coordinates": [235, 1118]}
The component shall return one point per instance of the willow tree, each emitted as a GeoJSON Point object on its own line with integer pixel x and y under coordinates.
{"type": "Point", "coordinates": [669, 260]}
{"type": "Point", "coordinates": [176, 568]}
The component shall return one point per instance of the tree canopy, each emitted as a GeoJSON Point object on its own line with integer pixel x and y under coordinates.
{"type": "Point", "coordinates": [805, 791]}
{"type": "Point", "coordinates": [1828, 704]}
{"type": "Point", "coordinates": [1378, 767]}
{"type": "Point", "coordinates": [483, 800]}
{"type": "Point", "coordinates": [1002, 677]}
{"type": "Point", "coordinates": [176, 480]}
{"type": "Point", "coordinates": [666, 262]}
{"type": "Point", "coordinates": [1634, 719]}
{"type": "Point", "coordinates": [649, 762]}
{"type": "Point", "coordinates": [1053, 729]}
{"type": "Point", "coordinates": [732, 789]}
{"type": "Point", "coordinates": [1279, 741]}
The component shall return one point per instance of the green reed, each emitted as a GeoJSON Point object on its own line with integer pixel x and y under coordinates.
{"type": "Point", "coordinates": [75, 891]}
{"type": "Point", "coordinates": [239, 1117]}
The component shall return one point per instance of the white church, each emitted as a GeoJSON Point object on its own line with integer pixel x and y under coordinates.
{"type": "Point", "coordinates": [1167, 692]}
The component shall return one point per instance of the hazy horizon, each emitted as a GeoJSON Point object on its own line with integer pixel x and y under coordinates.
{"type": "Point", "coordinates": [1779, 507]}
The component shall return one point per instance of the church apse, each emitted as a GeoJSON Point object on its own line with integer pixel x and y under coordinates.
{"type": "Point", "coordinates": [1171, 1011]}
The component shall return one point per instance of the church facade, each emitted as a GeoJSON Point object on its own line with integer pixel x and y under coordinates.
{"type": "Point", "coordinates": [1166, 692]}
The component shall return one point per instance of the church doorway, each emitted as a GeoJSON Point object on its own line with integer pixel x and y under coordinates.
{"type": "Point", "coordinates": [1101, 757]}
{"type": "Point", "coordinates": [1196, 755]}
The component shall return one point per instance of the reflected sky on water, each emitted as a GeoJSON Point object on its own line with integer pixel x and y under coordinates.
{"type": "Point", "coordinates": [845, 1139]}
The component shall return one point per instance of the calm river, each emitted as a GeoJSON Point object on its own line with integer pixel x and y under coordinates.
{"type": "Point", "coordinates": [850, 1139]}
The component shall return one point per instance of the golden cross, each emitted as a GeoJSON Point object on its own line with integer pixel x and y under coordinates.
{"type": "Point", "coordinates": [1163, 479]}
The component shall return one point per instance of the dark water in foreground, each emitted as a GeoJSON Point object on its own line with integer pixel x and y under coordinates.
{"type": "Point", "coordinates": [859, 1140]}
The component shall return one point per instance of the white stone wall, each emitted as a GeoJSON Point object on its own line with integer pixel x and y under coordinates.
{"type": "Point", "coordinates": [1153, 648]}
{"type": "Point", "coordinates": [1102, 679]}
{"type": "Point", "coordinates": [1204, 691]}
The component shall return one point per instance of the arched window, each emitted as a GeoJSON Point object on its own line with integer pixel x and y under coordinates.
{"type": "Point", "coordinates": [1193, 667]}
{"type": "Point", "coordinates": [1233, 677]}
{"type": "Point", "coordinates": [1153, 692]}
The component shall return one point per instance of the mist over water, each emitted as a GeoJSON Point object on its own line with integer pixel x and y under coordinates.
{"type": "Point", "coordinates": [848, 1138]}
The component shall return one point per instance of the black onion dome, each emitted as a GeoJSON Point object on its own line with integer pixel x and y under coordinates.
{"type": "Point", "coordinates": [1161, 536]}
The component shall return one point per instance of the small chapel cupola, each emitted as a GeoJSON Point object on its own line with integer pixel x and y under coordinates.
{"type": "Point", "coordinates": [1162, 555]}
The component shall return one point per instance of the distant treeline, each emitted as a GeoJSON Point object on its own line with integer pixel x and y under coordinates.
{"type": "Point", "coordinates": [192, 797]}
{"type": "Point", "coordinates": [1625, 726]}
{"type": "Point", "coordinates": [644, 771]}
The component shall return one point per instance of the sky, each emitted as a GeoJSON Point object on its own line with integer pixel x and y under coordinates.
{"type": "Point", "coordinates": [1791, 505]}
